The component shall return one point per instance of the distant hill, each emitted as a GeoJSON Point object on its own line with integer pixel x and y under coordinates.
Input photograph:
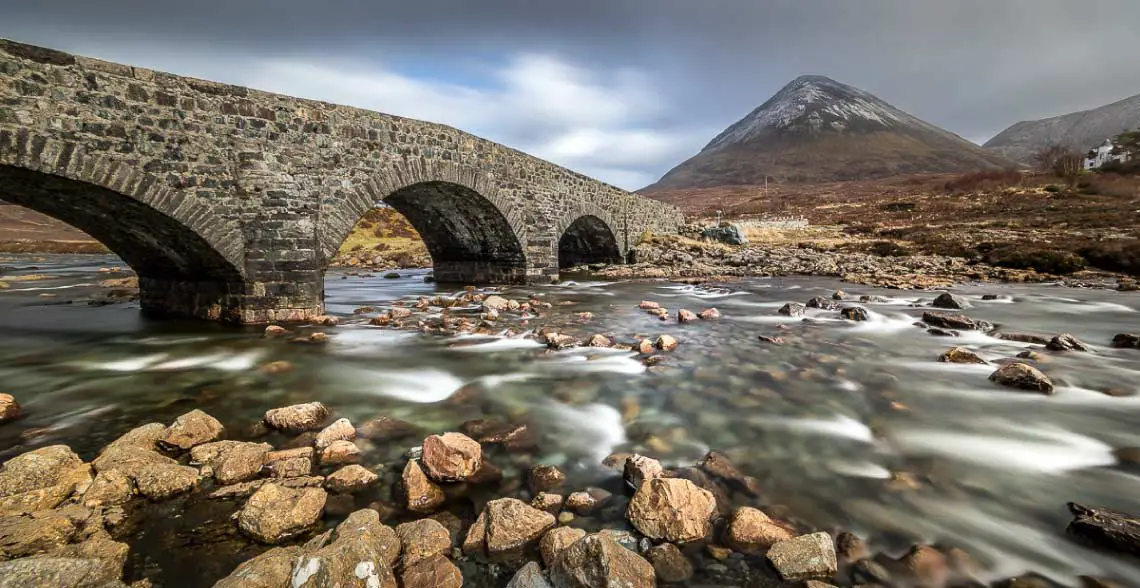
{"type": "Point", "coordinates": [1078, 131]}
{"type": "Point", "coordinates": [818, 130]}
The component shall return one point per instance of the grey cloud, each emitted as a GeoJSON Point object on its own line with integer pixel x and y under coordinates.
{"type": "Point", "coordinates": [971, 66]}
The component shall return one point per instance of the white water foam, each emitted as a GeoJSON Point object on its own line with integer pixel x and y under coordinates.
{"type": "Point", "coordinates": [838, 426]}
{"type": "Point", "coordinates": [1043, 448]}
{"type": "Point", "coordinates": [498, 344]}
{"type": "Point", "coordinates": [419, 386]}
{"type": "Point", "coordinates": [859, 469]}
{"type": "Point", "coordinates": [595, 428]}
{"type": "Point", "coordinates": [131, 364]}
{"type": "Point", "coordinates": [609, 362]}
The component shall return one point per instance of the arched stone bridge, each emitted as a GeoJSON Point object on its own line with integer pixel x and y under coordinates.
{"type": "Point", "coordinates": [229, 202]}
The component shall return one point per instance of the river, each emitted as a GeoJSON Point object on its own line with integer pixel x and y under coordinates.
{"type": "Point", "coordinates": [848, 426]}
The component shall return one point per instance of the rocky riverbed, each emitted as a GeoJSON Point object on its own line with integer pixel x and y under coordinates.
{"type": "Point", "coordinates": [741, 433]}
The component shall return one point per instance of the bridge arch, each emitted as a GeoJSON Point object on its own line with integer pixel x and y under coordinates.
{"type": "Point", "coordinates": [189, 260]}
{"type": "Point", "coordinates": [473, 233]}
{"type": "Point", "coordinates": [589, 237]}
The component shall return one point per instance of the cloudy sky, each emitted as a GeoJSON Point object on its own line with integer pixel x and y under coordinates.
{"type": "Point", "coordinates": [620, 89]}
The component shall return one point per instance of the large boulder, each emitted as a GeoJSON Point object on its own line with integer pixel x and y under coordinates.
{"type": "Point", "coordinates": [597, 561]}
{"type": "Point", "coordinates": [40, 479]}
{"type": "Point", "coordinates": [752, 532]}
{"type": "Point", "coordinates": [1022, 376]}
{"type": "Point", "coordinates": [725, 233]}
{"type": "Point", "coordinates": [298, 417]}
{"type": "Point", "coordinates": [451, 457]}
{"type": "Point", "coordinates": [275, 513]}
{"type": "Point", "coordinates": [505, 528]}
{"type": "Point", "coordinates": [190, 429]}
{"type": "Point", "coordinates": [807, 557]}
{"type": "Point", "coordinates": [672, 509]}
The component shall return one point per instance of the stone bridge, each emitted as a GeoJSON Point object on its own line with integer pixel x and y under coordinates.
{"type": "Point", "coordinates": [229, 202]}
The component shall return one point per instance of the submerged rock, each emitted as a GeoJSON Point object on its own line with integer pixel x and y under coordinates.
{"type": "Point", "coordinates": [1022, 376]}
{"type": "Point", "coordinates": [544, 478]}
{"type": "Point", "coordinates": [451, 457]}
{"type": "Point", "coordinates": [598, 561]}
{"type": "Point", "coordinates": [297, 418]}
{"type": "Point", "coordinates": [823, 303]}
{"type": "Point", "coordinates": [386, 428]}
{"type": "Point", "coordinates": [9, 408]}
{"type": "Point", "coordinates": [275, 513]}
{"type": "Point", "coordinates": [672, 509]}
{"type": "Point", "coordinates": [1105, 529]}
{"type": "Point", "coordinates": [806, 557]}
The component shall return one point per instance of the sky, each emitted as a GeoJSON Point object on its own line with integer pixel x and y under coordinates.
{"type": "Point", "coordinates": [621, 90]}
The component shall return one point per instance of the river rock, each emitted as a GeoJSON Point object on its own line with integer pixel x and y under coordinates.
{"type": "Point", "coordinates": [451, 457]}
{"type": "Point", "coordinates": [359, 552]}
{"type": "Point", "coordinates": [94, 563]}
{"type": "Point", "coordinates": [583, 503]}
{"type": "Point", "coordinates": [855, 313]}
{"type": "Point", "coordinates": [422, 538]}
{"type": "Point", "coordinates": [952, 301]}
{"type": "Point", "coordinates": [40, 479]}
{"type": "Point", "coordinates": [231, 462]}
{"type": "Point", "coordinates": [949, 320]}
{"type": "Point", "coordinates": [960, 355]}
{"type": "Point", "coordinates": [529, 576]}
{"type": "Point", "coordinates": [752, 532]}
{"type": "Point", "coordinates": [435, 571]}
{"type": "Point", "coordinates": [297, 418]}
{"type": "Point", "coordinates": [670, 565]}
{"type": "Point", "coordinates": [544, 478]}
{"type": "Point", "coordinates": [806, 557]}
{"type": "Point", "coordinates": [1022, 376]}
{"type": "Point", "coordinates": [496, 303]}
{"type": "Point", "coordinates": [1066, 342]}
{"type": "Point", "coordinates": [556, 540]}
{"type": "Point", "coordinates": [1023, 338]}
{"type": "Point", "coordinates": [926, 565]}
{"type": "Point", "coordinates": [548, 501]}
{"type": "Point", "coordinates": [340, 430]}
{"type": "Point", "coordinates": [161, 481]}
{"type": "Point", "coordinates": [822, 303]}
{"type": "Point", "coordinates": [9, 408]}
{"type": "Point", "coordinates": [598, 561]}
{"type": "Point", "coordinates": [672, 509]}
{"type": "Point", "coordinates": [645, 347]}
{"type": "Point", "coordinates": [639, 468]}
{"type": "Point", "coordinates": [1126, 341]}
{"type": "Point", "coordinates": [339, 453]}
{"type": "Point", "coordinates": [275, 513]}
{"type": "Point", "coordinates": [505, 528]}
{"type": "Point", "coordinates": [275, 331]}
{"type": "Point", "coordinates": [685, 316]}
{"type": "Point", "coordinates": [269, 570]}
{"type": "Point", "coordinates": [793, 309]}
{"type": "Point", "coordinates": [1105, 529]}
{"type": "Point", "coordinates": [384, 428]}
{"type": "Point", "coordinates": [420, 493]}
{"type": "Point", "coordinates": [649, 305]}
{"type": "Point", "coordinates": [599, 341]}
{"type": "Point", "coordinates": [290, 463]}
{"type": "Point", "coordinates": [709, 314]}
{"type": "Point", "coordinates": [849, 548]}
{"type": "Point", "coordinates": [718, 465]}
{"type": "Point", "coordinates": [772, 340]}
{"type": "Point", "coordinates": [108, 489]}
{"type": "Point", "coordinates": [190, 429]}
{"type": "Point", "coordinates": [24, 535]}
{"type": "Point", "coordinates": [350, 478]}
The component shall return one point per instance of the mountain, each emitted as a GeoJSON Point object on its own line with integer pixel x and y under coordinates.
{"type": "Point", "coordinates": [1079, 131]}
{"type": "Point", "coordinates": [816, 129]}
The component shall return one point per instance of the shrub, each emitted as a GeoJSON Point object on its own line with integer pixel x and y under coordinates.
{"type": "Point", "coordinates": [1052, 188]}
{"type": "Point", "coordinates": [888, 249]}
{"type": "Point", "coordinates": [985, 181]}
{"type": "Point", "coordinates": [1050, 261]}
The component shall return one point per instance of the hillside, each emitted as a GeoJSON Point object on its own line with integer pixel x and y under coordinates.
{"type": "Point", "coordinates": [818, 130]}
{"type": "Point", "coordinates": [1078, 131]}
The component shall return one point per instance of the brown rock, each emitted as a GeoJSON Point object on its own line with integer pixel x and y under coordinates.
{"type": "Point", "coordinates": [685, 316]}
{"type": "Point", "coordinates": [326, 320]}
{"type": "Point", "coordinates": [807, 557]}
{"type": "Point", "coordinates": [709, 314]}
{"type": "Point", "coordinates": [190, 429]}
{"type": "Point", "coordinates": [290, 463]}
{"type": "Point", "coordinates": [666, 343]}
{"type": "Point", "coordinates": [231, 462]}
{"type": "Point", "coordinates": [752, 532]}
{"type": "Point", "coordinates": [340, 453]}
{"type": "Point", "coordinates": [599, 341]}
{"type": "Point", "coordinates": [793, 309]}
{"type": "Point", "coordinates": [950, 320]}
{"type": "Point", "coordinates": [547, 501]}
{"type": "Point", "coordinates": [298, 417]}
{"type": "Point", "coordinates": [40, 479]}
{"type": "Point", "coordinates": [276, 367]}
{"type": "Point", "coordinates": [275, 513]}
{"type": "Point", "coordinates": [556, 540]}
{"type": "Point", "coordinates": [421, 539]}
{"type": "Point", "coordinates": [109, 488]}
{"type": "Point", "coordinates": [960, 355]}
{"type": "Point", "coordinates": [275, 331]}
{"type": "Point", "coordinates": [581, 502]}
{"type": "Point", "coordinates": [926, 565]}
{"type": "Point", "coordinates": [639, 468]}
{"type": "Point", "coordinates": [451, 457]}
{"type": "Point", "coordinates": [421, 495]}
{"type": "Point", "coordinates": [649, 305]}
{"type": "Point", "coordinates": [24, 535]}
{"type": "Point", "coordinates": [1024, 338]}
{"type": "Point", "coordinates": [529, 576]}
{"type": "Point", "coordinates": [505, 528]}
{"type": "Point", "coordinates": [435, 571]}
{"type": "Point", "coordinates": [672, 509]}
{"type": "Point", "coordinates": [350, 478]}
{"type": "Point", "coordinates": [9, 408]}
{"type": "Point", "coordinates": [1126, 341]}
{"type": "Point", "coordinates": [160, 481]}
{"type": "Point", "coordinates": [849, 548]}
{"type": "Point", "coordinates": [645, 346]}
{"type": "Point", "coordinates": [385, 428]}
{"type": "Point", "coordinates": [598, 561]}
{"type": "Point", "coordinates": [1022, 377]}
{"type": "Point", "coordinates": [718, 465]}
{"type": "Point", "coordinates": [511, 437]}
{"type": "Point", "coordinates": [670, 565]}
{"type": "Point", "coordinates": [1066, 342]}
{"type": "Point", "coordinates": [544, 478]}
{"type": "Point", "coordinates": [340, 430]}
{"type": "Point", "coordinates": [268, 570]}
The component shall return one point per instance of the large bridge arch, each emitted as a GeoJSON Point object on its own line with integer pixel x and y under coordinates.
{"type": "Point", "coordinates": [589, 238]}
{"type": "Point", "coordinates": [473, 233]}
{"type": "Point", "coordinates": [189, 261]}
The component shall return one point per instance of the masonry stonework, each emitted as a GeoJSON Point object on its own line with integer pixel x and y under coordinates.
{"type": "Point", "coordinates": [229, 202]}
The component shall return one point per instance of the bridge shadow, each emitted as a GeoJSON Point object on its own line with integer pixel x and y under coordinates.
{"type": "Point", "coordinates": [588, 240]}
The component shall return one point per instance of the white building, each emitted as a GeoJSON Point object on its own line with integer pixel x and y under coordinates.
{"type": "Point", "coordinates": [1102, 154]}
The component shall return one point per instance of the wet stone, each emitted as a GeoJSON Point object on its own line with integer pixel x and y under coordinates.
{"type": "Point", "coordinates": [339, 430]}
{"type": "Point", "coordinates": [1022, 376]}
{"type": "Point", "coordinates": [544, 478]}
{"type": "Point", "coordinates": [529, 576]}
{"type": "Point", "coordinates": [9, 408]}
{"type": "Point", "coordinates": [670, 565]}
{"type": "Point", "coordinates": [960, 355]}
{"type": "Point", "coordinates": [556, 540]}
{"type": "Point", "coordinates": [421, 539]}
{"type": "Point", "coordinates": [339, 453]}
{"type": "Point", "coordinates": [351, 478]}
{"type": "Point", "coordinates": [275, 513]}
{"type": "Point", "coordinates": [435, 571]}
{"type": "Point", "coordinates": [298, 417]}
{"type": "Point", "coordinates": [672, 509]}
{"type": "Point", "coordinates": [1126, 341]}
{"type": "Point", "coordinates": [451, 457]}
{"type": "Point", "coordinates": [951, 301]}
{"type": "Point", "coordinates": [639, 468]}
{"type": "Point", "coordinates": [505, 528]}
{"type": "Point", "coordinates": [385, 428]}
{"type": "Point", "coordinates": [547, 501]}
{"type": "Point", "coordinates": [686, 316]}
{"type": "Point", "coordinates": [597, 560]}
{"type": "Point", "coordinates": [1066, 342]}
{"type": "Point", "coordinates": [793, 309]}
{"type": "Point", "coordinates": [666, 343]}
{"type": "Point", "coordinates": [805, 557]}
{"type": "Point", "coordinates": [855, 313]}
{"type": "Point", "coordinates": [822, 303]}
{"type": "Point", "coordinates": [752, 532]}
{"type": "Point", "coordinates": [420, 493]}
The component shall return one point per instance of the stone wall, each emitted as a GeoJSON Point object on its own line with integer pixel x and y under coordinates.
{"type": "Point", "coordinates": [238, 198]}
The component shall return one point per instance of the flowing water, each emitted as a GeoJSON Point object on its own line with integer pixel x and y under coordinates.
{"type": "Point", "coordinates": [848, 426]}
